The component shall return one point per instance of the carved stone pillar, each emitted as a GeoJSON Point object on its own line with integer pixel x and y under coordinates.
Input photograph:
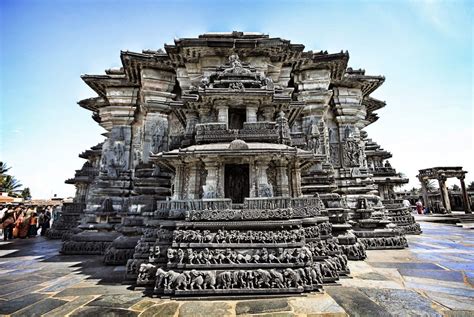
{"type": "Point", "coordinates": [223, 114]}
{"type": "Point", "coordinates": [264, 189]}
{"type": "Point", "coordinates": [268, 114]}
{"type": "Point", "coordinates": [251, 113]}
{"type": "Point", "coordinates": [191, 120]}
{"type": "Point", "coordinates": [178, 181]}
{"type": "Point", "coordinates": [444, 192]}
{"type": "Point", "coordinates": [194, 180]}
{"type": "Point", "coordinates": [210, 189]}
{"type": "Point", "coordinates": [465, 198]}
{"type": "Point", "coordinates": [424, 192]}
{"type": "Point", "coordinates": [282, 178]}
{"type": "Point", "coordinates": [296, 180]}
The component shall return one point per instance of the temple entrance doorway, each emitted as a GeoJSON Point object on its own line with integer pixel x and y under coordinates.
{"type": "Point", "coordinates": [237, 118]}
{"type": "Point", "coordinates": [236, 184]}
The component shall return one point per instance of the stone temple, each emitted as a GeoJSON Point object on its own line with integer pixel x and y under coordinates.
{"type": "Point", "coordinates": [233, 163]}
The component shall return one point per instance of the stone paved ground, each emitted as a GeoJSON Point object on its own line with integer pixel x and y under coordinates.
{"type": "Point", "coordinates": [434, 277]}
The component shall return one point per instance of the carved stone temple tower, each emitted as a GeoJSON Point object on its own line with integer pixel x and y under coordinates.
{"type": "Point", "coordinates": [234, 163]}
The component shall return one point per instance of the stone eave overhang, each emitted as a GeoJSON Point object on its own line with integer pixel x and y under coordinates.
{"type": "Point", "coordinates": [99, 83]}
{"type": "Point", "coordinates": [336, 63]}
{"type": "Point", "coordinates": [372, 104]}
{"type": "Point", "coordinates": [134, 62]}
{"type": "Point", "coordinates": [92, 104]}
{"type": "Point", "coordinates": [95, 150]}
{"type": "Point", "coordinates": [367, 84]}
{"type": "Point", "coordinates": [306, 158]}
{"type": "Point", "coordinates": [378, 152]}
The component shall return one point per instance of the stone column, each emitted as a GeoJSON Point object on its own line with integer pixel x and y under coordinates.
{"type": "Point", "coordinates": [210, 189]}
{"type": "Point", "coordinates": [282, 178]}
{"type": "Point", "coordinates": [424, 192]}
{"type": "Point", "coordinates": [252, 113]}
{"type": "Point", "coordinates": [296, 180]}
{"type": "Point", "coordinates": [465, 198]}
{"type": "Point", "coordinates": [264, 189]}
{"type": "Point", "coordinates": [222, 114]}
{"type": "Point", "coordinates": [268, 113]}
{"type": "Point", "coordinates": [194, 180]}
{"type": "Point", "coordinates": [178, 181]}
{"type": "Point", "coordinates": [155, 95]}
{"type": "Point", "coordinates": [444, 192]}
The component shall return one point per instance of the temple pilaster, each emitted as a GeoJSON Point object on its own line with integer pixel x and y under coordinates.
{"type": "Point", "coordinates": [444, 192]}
{"type": "Point", "coordinates": [465, 198]}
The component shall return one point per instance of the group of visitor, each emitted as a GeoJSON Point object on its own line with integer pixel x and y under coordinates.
{"type": "Point", "coordinates": [20, 221]}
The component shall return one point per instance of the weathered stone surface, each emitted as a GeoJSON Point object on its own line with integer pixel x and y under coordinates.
{"type": "Point", "coordinates": [71, 306]}
{"type": "Point", "coordinates": [39, 308]}
{"type": "Point", "coordinates": [356, 302]}
{"type": "Point", "coordinates": [205, 309]}
{"type": "Point", "coordinates": [13, 305]}
{"type": "Point", "coordinates": [401, 302]}
{"type": "Point", "coordinates": [90, 311]}
{"type": "Point", "coordinates": [118, 300]}
{"type": "Point", "coordinates": [165, 310]}
{"type": "Point", "coordinates": [262, 306]}
{"type": "Point", "coordinates": [319, 304]}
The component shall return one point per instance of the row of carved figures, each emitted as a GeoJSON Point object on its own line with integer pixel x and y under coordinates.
{"type": "Point", "coordinates": [394, 242]}
{"type": "Point", "coordinates": [237, 279]}
{"type": "Point", "coordinates": [231, 256]}
{"type": "Point", "coordinates": [237, 236]}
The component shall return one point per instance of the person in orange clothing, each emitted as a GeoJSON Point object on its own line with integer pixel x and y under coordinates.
{"type": "Point", "coordinates": [33, 231]}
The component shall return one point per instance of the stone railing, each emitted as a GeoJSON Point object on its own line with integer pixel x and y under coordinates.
{"type": "Point", "coordinates": [383, 171]}
{"type": "Point", "coordinates": [252, 131]}
{"type": "Point", "coordinates": [195, 204]}
{"type": "Point", "coordinates": [249, 203]}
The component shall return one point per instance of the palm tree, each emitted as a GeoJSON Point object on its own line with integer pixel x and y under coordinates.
{"type": "Point", "coordinates": [3, 168]}
{"type": "Point", "coordinates": [470, 186]}
{"type": "Point", "coordinates": [10, 184]}
{"type": "Point", "coordinates": [26, 194]}
{"type": "Point", "coordinates": [430, 186]}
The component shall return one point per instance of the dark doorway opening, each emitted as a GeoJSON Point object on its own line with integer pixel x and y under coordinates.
{"type": "Point", "coordinates": [237, 118]}
{"type": "Point", "coordinates": [236, 185]}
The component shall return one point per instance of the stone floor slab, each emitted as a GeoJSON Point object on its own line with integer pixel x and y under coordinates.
{"type": "Point", "coordinates": [11, 306]}
{"type": "Point", "coordinates": [401, 302]}
{"type": "Point", "coordinates": [206, 309]}
{"type": "Point", "coordinates": [355, 302]}
{"type": "Point", "coordinates": [71, 306]}
{"type": "Point", "coordinates": [165, 309]}
{"type": "Point", "coordinates": [40, 308]}
{"type": "Point", "coordinates": [262, 306]}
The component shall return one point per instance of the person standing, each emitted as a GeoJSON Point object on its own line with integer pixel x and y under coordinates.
{"type": "Point", "coordinates": [8, 223]}
{"type": "Point", "coordinates": [419, 207]}
{"type": "Point", "coordinates": [45, 221]}
{"type": "Point", "coordinates": [33, 231]}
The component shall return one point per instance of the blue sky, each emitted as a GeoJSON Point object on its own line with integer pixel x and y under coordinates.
{"type": "Point", "coordinates": [424, 48]}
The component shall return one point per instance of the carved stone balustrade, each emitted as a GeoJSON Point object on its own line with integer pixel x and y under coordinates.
{"type": "Point", "coordinates": [263, 131]}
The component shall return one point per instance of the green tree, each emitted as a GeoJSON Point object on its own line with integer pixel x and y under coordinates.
{"type": "Point", "coordinates": [455, 187]}
{"type": "Point", "coordinates": [470, 186]}
{"type": "Point", "coordinates": [430, 186]}
{"type": "Point", "coordinates": [10, 184]}
{"type": "Point", "coordinates": [3, 168]}
{"type": "Point", "coordinates": [26, 194]}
